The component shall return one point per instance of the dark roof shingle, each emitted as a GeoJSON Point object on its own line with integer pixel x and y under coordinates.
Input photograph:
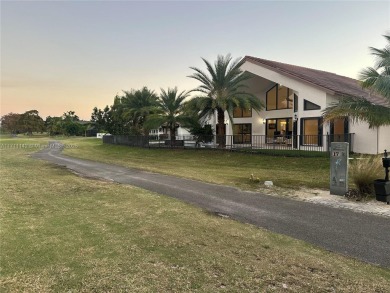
{"type": "Point", "coordinates": [332, 83]}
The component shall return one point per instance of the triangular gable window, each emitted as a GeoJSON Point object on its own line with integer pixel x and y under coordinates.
{"type": "Point", "coordinates": [310, 106]}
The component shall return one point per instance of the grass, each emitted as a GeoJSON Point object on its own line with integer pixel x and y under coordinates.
{"type": "Point", "coordinates": [363, 171]}
{"type": "Point", "coordinates": [227, 168]}
{"type": "Point", "coordinates": [60, 232]}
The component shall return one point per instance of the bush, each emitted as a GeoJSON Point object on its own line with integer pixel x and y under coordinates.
{"type": "Point", "coordinates": [363, 171]}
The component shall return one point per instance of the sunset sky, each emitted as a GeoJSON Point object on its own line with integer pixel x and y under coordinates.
{"type": "Point", "coordinates": [74, 55]}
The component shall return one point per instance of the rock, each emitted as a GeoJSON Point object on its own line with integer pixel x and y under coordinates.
{"type": "Point", "coordinates": [268, 183]}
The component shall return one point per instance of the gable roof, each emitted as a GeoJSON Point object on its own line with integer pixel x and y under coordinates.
{"type": "Point", "coordinates": [330, 82]}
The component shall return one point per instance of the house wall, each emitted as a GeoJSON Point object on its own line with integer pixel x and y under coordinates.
{"type": "Point", "coordinates": [384, 139]}
{"type": "Point", "coordinates": [365, 140]}
{"type": "Point", "coordinates": [182, 132]}
{"type": "Point", "coordinates": [370, 141]}
{"type": "Point", "coordinates": [303, 91]}
{"type": "Point", "coordinates": [179, 131]}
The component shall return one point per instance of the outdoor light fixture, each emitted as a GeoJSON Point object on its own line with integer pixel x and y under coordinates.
{"type": "Point", "coordinates": [295, 116]}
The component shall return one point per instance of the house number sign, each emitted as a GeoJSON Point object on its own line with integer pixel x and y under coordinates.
{"type": "Point", "coordinates": [339, 153]}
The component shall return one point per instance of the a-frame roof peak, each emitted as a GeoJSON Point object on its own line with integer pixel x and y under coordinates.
{"type": "Point", "coordinates": [332, 83]}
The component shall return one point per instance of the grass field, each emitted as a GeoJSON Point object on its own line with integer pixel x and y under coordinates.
{"type": "Point", "coordinates": [63, 233]}
{"type": "Point", "coordinates": [220, 167]}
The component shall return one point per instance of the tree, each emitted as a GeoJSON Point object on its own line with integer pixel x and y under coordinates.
{"type": "Point", "coordinates": [10, 123]}
{"type": "Point", "coordinates": [71, 124]}
{"type": "Point", "coordinates": [70, 116]}
{"type": "Point", "coordinates": [101, 118]}
{"type": "Point", "coordinates": [377, 80]}
{"type": "Point", "coordinates": [30, 122]}
{"type": "Point", "coordinates": [202, 131]}
{"type": "Point", "coordinates": [54, 125]}
{"type": "Point", "coordinates": [136, 106]}
{"type": "Point", "coordinates": [222, 89]}
{"type": "Point", "coordinates": [169, 111]}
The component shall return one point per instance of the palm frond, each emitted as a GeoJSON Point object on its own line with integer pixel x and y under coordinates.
{"type": "Point", "coordinates": [382, 57]}
{"type": "Point", "coordinates": [223, 88]}
{"type": "Point", "coordinates": [358, 109]}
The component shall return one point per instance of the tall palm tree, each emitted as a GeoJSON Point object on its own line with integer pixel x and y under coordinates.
{"type": "Point", "coordinates": [222, 89]}
{"type": "Point", "coordinates": [170, 110]}
{"type": "Point", "coordinates": [377, 80]}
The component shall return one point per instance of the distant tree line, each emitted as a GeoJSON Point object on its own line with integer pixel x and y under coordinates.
{"type": "Point", "coordinates": [29, 122]}
{"type": "Point", "coordinates": [136, 112]}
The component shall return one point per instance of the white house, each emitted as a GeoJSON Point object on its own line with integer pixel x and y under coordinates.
{"type": "Point", "coordinates": [294, 98]}
{"type": "Point", "coordinates": [161, 131]}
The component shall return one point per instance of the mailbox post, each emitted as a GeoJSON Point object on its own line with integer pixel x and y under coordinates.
{"type": "Point", "coordinates": [339, 153]}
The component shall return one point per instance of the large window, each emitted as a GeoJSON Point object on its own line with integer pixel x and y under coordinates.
{"type": "Point", "coordinates": [242, 113]}
{"type": "Point", "coordinates": [278, 97]}
{"type": "Point", "coordinates": [242, 133]}
{"type": "Point", "coordinates": [271, 99]}
{"type": "Point", "coordinates": [281, 127]}
{"type": "Point", "coordinates": [311, 130]}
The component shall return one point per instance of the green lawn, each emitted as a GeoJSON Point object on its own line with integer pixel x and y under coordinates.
{"type": "Point", "coordinates": [63, 233]}
{"type": "Point", "coordinates": [215, 166]}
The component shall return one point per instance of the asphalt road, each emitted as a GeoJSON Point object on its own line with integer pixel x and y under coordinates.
{"type": "Point", "coordinates": [362, 236]}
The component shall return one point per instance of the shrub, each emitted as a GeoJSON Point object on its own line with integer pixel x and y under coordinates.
{"type": "Point", "coordinates": [363, 171]}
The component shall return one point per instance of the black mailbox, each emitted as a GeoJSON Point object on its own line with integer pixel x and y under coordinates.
{"type": "Point", "coordinates": [386, 162]}
{"type": "Point", "coordinates": [382, 187]}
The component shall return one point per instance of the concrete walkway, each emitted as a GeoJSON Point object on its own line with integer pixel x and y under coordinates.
{"type": "Point", "coordinates": [323, 197]}
{"type": "Point", "coordinates": [362, 236]}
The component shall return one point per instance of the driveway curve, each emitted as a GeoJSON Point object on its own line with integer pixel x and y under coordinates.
{"type": "Point", "coordinates": [362, 236]}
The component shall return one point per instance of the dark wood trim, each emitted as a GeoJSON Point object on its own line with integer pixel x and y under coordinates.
{"type": "Point", "coordinates": [295, 107]}
{"type": "Point", "coordinates": [277, 98]}
{"type": "Point", "coordinates": [304, 105]}
{"type": "Point", "coordinates": [295, 133]}
{"type": "Point", "coordinates": [242, 113]}
{"type": "Point", "coordinates": [242, 134]}
{"type": "Point", "coordinates": [320, 129]}
{"type": "Point", "coordinates": [279, 118]}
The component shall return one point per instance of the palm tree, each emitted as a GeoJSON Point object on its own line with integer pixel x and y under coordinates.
{"type": "Point", "coordinates": [137, 105]}
{"type": "Point", "coordinates": [222, 89]}
{"type": "Point", "coordinates": [377, 80]}
{"type": "Point", "coordinates": [170, 110]}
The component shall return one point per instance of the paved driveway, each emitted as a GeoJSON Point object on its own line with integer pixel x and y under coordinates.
{"type": "Point", "coordinates": [362, 236]}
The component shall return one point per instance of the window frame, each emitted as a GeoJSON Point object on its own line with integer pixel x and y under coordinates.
{"type": "Point", "coordinates": [289, 121]}
{"type": "Point", "coordinates": [319, 131]}
{"type": "Point", "coordinates": [295, 107]}
{"type": "Point", "coordinates": [289, 92]}
{"type": "Point", "coordinates": [242, 112]}
{"type": "Point", "coordinates": [242, 134]}
{"type": "Point", "coordinates": [305, 104]}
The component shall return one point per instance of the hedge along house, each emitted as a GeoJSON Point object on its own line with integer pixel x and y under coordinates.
{"type": "Point", "coordinates": [294, 98]}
